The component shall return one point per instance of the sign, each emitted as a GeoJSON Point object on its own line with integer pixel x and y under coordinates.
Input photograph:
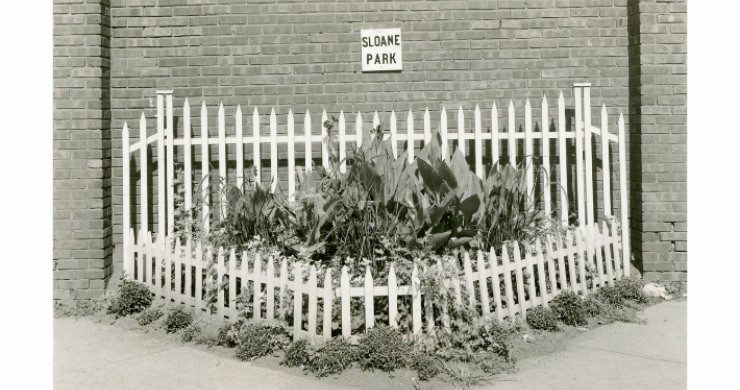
{"type": "Point", "coordinates": [381, 50]}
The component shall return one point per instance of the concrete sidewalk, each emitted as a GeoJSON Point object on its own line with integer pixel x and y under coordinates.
{"type": "Point", "coordinates": [615, 356]}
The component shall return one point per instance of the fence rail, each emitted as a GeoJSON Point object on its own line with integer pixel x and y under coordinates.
{"type": "Point", "coordinates": [583, 262]}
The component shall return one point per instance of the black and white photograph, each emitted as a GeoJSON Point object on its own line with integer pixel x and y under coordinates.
{"type": "Point", "coordinates": [368, 194]}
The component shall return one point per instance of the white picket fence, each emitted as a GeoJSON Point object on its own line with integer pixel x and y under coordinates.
{"type": "Point", "coordinates": [591, 251]}
{"type": "Point", "coordinates": [582, 192]}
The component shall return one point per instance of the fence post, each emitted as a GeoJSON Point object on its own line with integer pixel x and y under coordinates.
{"type": "Point", "coordinates": [297, 299]}
{"type": "Point", "coordinates": [392, 298]}
{"type": "Point", "coordinates": [127, 269]}
{"type": "Point", "coordinates": [369, 304]}
{"type": "Point", "coordinates": [624, 202]}
{"type": "Point", "coordinates": [461, 131]}
{"type": "Point", "coordinates": [161, 186]}
{"type": "Point", "coordinates": [144, 185]}
{"type": "Point", "coordinates": [512, 138]}
{"type": "Point", "coordinates": [328, 304]}
{"type": "Point", "coordinates": [346, 317]}
{"type": "Point", "coordinates": [205, 190]}
{"type": "Point", "coordinates": [494, 136]}
{"type": "Point", "coordinates": [563, 176]}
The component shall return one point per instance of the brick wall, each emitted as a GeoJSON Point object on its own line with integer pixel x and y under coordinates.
{"type": "Point", "coordinates": [82, 208]}
{"type": "Point", "coordinates": [659, 204]}
{"type": "Point", "coordinates": [304, 55]}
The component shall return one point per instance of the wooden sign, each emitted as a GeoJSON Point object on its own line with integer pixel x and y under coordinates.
{"type": "Point", "coordinates": [381, 50]}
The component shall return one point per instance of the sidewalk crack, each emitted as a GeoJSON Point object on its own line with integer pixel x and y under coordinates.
{"type": "Point", "coordinates": [632, 354]}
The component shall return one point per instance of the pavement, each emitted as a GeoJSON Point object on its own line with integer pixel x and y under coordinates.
{"type": "Point", "coordinates": [91, 355]}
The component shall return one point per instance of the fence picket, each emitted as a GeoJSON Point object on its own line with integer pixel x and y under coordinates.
{"type": "Point", "coordinates": [494, 135]}
{"type": "Point", "coordinates": [346, 317]}
{"type": "Point", "coordinates": [291, 156]}
{"type": "Point", "coordinates": [273, 152]}
{"type": "Point", "coordinates": [179, 265]}
{"type": "Point", "coordinates": [445, 307]}
{"type": "Point", "coordinates": [270, 281]}
{"type": "Point", "coordinates": [512, 139]}
{"type": "Point", "coordinates": [483, 283]}
{"type": "Point", "coordinates": [167, 288]}
{"type": "Point", "coordinates": [170, 132]}
{"type": "Point", "coordinates": [589, 170]}
{"type": "Point", "coordinates": [580, 192]}
{"type": "Point", "coordinates": [143, 185]}
{"type": "Point", "coordinates": [328, 304]}
{"type": "Point", "coordinates": [219, 280]}
{"type": "Point", "coordinates": [342, 144]}
{"type": "Point", "coordinates": [415, 299]}
{"type": "Point", "coordinates": [478, 143]}
{"type": "Point", "coordinates": [427, 127]}
{"type": "Point", "coordinates": [605, 175]}
{"type": "Point", "coordinates": [188, 152]}
{"type": "Point", "coordinates": [358, 129]}
{"type": "Point", "coordinates": [198, 277]}
{"type": "Point", "coordinates": [324, 142]}
{"type": "Point", "coordinates": [567, 250]}
{"type": "Point", "coordinates": [496, 285]}
{"type": "Point", "coordinates": [239, 147]}
{"type": "Point", "coordinates": [563, 176]}
{"type": "Point", "coordinates": [283, 288]}
{"type": "Point", "coordinates": [139, 275]}
{"type": "Point", "coordinates": [529, 262]}
{"type": "Point", "coordinates": [307, 133]}
{"type": "Point", "coordinates": [541, 270]}
{"type": "Point", "coordinates": [148, 261]}
{"type": "Point", "coordinates": [161, 203]}
{"type": "Point", "coordinates": [244, 276]}
{"type": "Point", "coordinates": [520, 281]}
{"type": "Point", "coordinates": [206, 193]}
{"type": "Point", "coordinates": [550, 261]}
{"type": "Point", "coordinates": [410, 139]}
{"type": "Point", "coordinates": [624, 205]}
{"type": "Point", "coordinates": [392, 298]}
{"type": "Point", "coordinates": [188, 262]}
{"type": "Point", "coordinates": [394, 138]}
{"type": "Point", "coordinates": [461, 131]}
{"type": "Point", "coordinates": [506, 262]}
{"type": "Point", "coordinates": [595, 240]}
{"type": "Point", "coordinates": [582, 259]}
{"type": "Point", "coordinates": [168, 259]}
{"type": "Point", "coordinates": [256, 153]}
{"type": "Point", "coordinates": [614, 238]}
{"type": "Point", "coordinates": [469, 277]}
{"type": "Point", "coordinates": [605, 241]}
{"type": "Point", "coordinates": [155, 282]}
{"type": "Point", "coordinates": [257, 278]}
{"type": "Point", "coordinates": [562, 273]}
{"type": "Point", "coordinates": [297, 298]}
{"type": "Point", "coordinates": [369, 304]}
{"type": "Point", "coordinates": [312, 301]}
{"type": "Point", "coordinates": [443, 133]}
{"type": "Point", "coordinates": [233, 293]}
{"type": "Point", "coordinates": [528, 152]}
{"type": "Point", "coordinates": [126, 165]}
{"type": "Point", "coordinates": [546, 182]}
{"type": "Point", "coordinates": [222, 161]}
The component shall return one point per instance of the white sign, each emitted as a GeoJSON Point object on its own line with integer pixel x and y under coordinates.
{"type": "Point", "coordinates": [381, 50]}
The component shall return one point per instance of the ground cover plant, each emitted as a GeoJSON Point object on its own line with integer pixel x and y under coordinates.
{"type": "Point", "coordinates": [133, 297]}
{"type": "Point", "coordinates": [177, 319]}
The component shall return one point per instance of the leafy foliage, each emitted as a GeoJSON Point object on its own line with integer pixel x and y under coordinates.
{"type": "Point", "coordinates": [133, 298]}
{"type": "Point", "coordinates": [570, 308]}
{"type": "Point", "coordinates": [426, 365]}
{"type": "Point", "coordinates": [150, 315]}
{"type": "Point", "coordinates": [631, 288]}
{"type": "Point", "coordinates": [383, 348]}
{"type": "Point", "coordinates": [331, 359]}
{"type": "Point", "coordinates": [258, 337]}
{"type": "Point", "coordinates": [611, 296]}
{"type": "Point", "coordinates": [296, 354]}
{"type": "Point", "coordinates": [177, 319]}
{"type": "Point", "coordinates": [463, 375]}
{"type": "Point", "coordinates": [191, 332]}
{"type": "Point", "coordinates": [542, 318]}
